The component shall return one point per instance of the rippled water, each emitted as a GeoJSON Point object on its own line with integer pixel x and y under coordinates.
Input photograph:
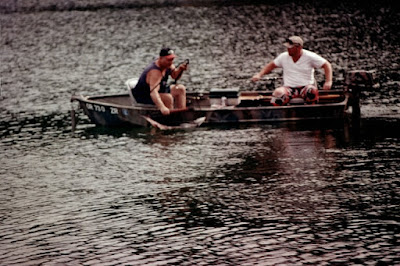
{"type": "Point", "coordinates": [278, 194]}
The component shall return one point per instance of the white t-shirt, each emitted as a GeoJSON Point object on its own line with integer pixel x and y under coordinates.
{"type": "Point", "coordinates": [300, 73]}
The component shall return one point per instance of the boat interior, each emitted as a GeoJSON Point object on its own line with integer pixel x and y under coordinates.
{"type": "Point", "coordinates": [243, 99]}
{"type": "Point", "coordinates": [221, 97]}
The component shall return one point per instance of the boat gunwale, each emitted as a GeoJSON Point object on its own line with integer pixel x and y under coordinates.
{"type": "Point", "coordinates": [89, 99]}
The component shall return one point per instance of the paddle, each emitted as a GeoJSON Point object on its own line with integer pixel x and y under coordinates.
{"type": "Point", "coordinates": [195, 123]}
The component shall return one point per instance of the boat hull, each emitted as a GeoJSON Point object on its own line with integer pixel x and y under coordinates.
{"type": "Point", "coordinates": [223, 106]}
{"type": "Point", "coordinates": [114, 111]}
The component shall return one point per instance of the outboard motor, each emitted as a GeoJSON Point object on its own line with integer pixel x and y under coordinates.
{"type": "Point", "coordinates": [356, 81]}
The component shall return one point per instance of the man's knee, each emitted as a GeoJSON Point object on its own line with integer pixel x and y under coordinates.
{"type": "Point", "coordinates": [179, 89]}
{"type": "Point", "coordinates": [280, 96]}
{"type": "Point", "coordinates": [310, 94]}
{"type": "Point", "coordinates": [179, 94]}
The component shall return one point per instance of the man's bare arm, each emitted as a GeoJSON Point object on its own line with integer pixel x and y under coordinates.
{"type": "Point", "coordinates": [266, 70]}
{"type": "Point", "coordinates": [328, 75]}
{"type": "Point", "coordinates": [153, 79]}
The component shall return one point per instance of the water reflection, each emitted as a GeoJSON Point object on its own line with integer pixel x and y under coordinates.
{"type": "Point", "coordinates": [293, 192]}
{"type": "Point", "coordinates": [284, 193]}
{"type": "Point", "coordinates": [280, 164]}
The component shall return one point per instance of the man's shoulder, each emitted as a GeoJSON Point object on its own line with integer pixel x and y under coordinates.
{"type": "Point", "coordinates": [154, 72]}
{"type": "Point", "coordinates": [310, 53]}
{"type": "Point", "coordinates": [281, 59]}
{"type": "Point", "coordinates": [315, 59]}
{"type": "Point", "coordinates": [282, 56]}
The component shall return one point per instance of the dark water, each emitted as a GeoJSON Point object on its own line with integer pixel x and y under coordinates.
{"type": "Point", "coordinates": [280, 194]}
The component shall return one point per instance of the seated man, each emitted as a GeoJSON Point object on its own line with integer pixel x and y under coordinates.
{"type": "Point", "coordinates": [298, 67]}
{"type": "Point", "coordinates": [152, 87]}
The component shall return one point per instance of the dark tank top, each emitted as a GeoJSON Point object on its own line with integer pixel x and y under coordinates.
{"type": "Point", "coordinates": [141, 92]}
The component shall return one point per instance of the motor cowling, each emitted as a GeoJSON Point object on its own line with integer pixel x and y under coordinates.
{"type": "Point", "coordinates": [355, 82]}
{"type": "Point", "coordinates": [362, 79]}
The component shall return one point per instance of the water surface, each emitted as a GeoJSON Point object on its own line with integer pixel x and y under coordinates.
{"type": "Point", "coordinates": [272, 194]}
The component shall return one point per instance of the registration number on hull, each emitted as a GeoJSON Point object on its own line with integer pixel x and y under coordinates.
{"type": "Point", "coordinates": [100, 108]}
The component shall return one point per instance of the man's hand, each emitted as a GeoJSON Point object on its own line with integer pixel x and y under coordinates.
{"type": "Point", "coordinates": [183, 67]}
{"type": "Point", "coordinates": [256, 77]}
{"type": "Point", "coordinates": [165, 111]}
{"type": "Point", "coordinates": [178, 71]}
{"type": "Point", "coordinates": [327, 85]}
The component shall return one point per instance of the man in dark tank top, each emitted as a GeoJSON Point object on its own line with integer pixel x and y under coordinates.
{"type": "Point", "coordinates": [152, 87]}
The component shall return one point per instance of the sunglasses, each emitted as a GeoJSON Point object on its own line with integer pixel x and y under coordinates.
{"type": "Point", "coordinates": [291, 42]}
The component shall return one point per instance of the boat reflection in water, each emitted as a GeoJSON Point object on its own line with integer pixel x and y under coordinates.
{"type": "Point", "coordinates": [283, 190]}
{"type": "Point", "coordinates": [284, 170]}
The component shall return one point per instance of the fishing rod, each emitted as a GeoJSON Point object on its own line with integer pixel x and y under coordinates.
{"type": "Point", "coordinates": [186, 63]}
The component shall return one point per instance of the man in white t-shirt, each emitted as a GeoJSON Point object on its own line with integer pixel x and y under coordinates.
{"type": "Point", "coordinates": [298, 67]}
